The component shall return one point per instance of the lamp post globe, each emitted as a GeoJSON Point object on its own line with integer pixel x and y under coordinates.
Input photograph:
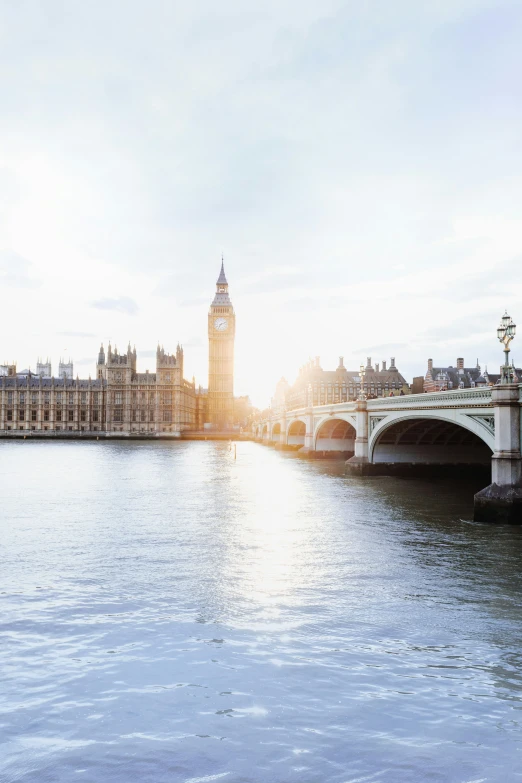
{"type": "Point", "coordinates": [505, 333]}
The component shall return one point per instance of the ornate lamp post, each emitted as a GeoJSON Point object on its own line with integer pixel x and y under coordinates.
{"type": "Point", "coordinates": [362, 375]}
{"type": "Point", "coordinates": [505, 333]}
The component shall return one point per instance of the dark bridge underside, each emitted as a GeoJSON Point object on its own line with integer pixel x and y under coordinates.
{"type": "Point", "coordinates": [296, 434]}
{"type": "Point", "coordinates": [335, 437]}
{"type": "Point", "coordinates": [336, 429]}
{"type": "Point", "coordinates": [431, 442]}
{"type": "Point", "coordinates": [297, 428]}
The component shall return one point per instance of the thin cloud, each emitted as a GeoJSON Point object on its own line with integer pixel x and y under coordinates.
{"type": "Point", "coordinates": [122, 304]}
{"type": "Point", "coordinates": [15, 271]}
{"type": "Point", "coordinates": [85, 361]}
{"type": "Point", "coordinates": [196, 302]}
{"type": "Point", "coordinates": [193, 342]}
{"type": "Point", "coordinates": [382, 348]}
{"type": "Point", "coordinates": [274, 282]}
{"type": "Point", "coordinates": [90, 335]}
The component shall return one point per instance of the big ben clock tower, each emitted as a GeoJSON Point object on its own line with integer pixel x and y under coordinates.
{"type": "Point", "coordinates": [221, 333]}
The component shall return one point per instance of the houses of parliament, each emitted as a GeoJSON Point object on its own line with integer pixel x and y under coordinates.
{"type": "Point", "coordinates": [121, 400]}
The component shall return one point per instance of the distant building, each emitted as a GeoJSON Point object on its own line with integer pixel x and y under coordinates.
{"type": "Point", "coordinates": [417, 386]}
{"type": "Point", "coordinates": [44, 368]}
{"type": "Point", "coordinates": [282, 394]}
{"type": "Point", "coordinates": [315, 386]}
{"type": "Point", "coordinates": [201, 407]}
{"type": "Point", "coordinates": [65, 369]}
{"type": "Point", "coordinates": [460, 377]}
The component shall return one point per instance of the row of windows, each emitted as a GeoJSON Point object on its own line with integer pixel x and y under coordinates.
{"type": "Point", "coordinates": [165, 398]}
{"type": "Point", "coordinates": [57, 427]}
{"type": "Point", "coordinates": [352, 390]}
{"type": "Point", "coordinates": [141, 415]}
{"type": "Point", "coordinates": [116, 398]}
{"type": "Point", "coordinates": [33, 415]}
{"type": "Point", "coordinates": [60, 397]}
{"type": "Point", "coordinates": [165, 377]}
{"type": "Point", "coordinates": [137, 415]}
{"type": "Point", "coordinates": [329, 388]}
{"type": "Point", "coordinates": [84, 398]}
{"type": "Point", "coordinates": [340, 393]}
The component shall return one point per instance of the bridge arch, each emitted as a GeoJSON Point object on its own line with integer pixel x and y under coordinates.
{"type": "Point", "coordinates": [264, 432]}
{"type": "Point", "coordinates": [296, 433]}
{"type": "Point", "coordinates": [276, 431]}
{"type": "Point", "coordinates": [334, 434]}
{"type": "Point", "coordinates": [435, 438]}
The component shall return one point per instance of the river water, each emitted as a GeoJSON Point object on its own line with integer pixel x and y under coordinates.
{"type": "Point", "coordinates": [168, 613]}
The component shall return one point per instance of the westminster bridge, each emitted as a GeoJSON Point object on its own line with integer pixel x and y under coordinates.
{"type": "Point", "coordinates": [417, 433]}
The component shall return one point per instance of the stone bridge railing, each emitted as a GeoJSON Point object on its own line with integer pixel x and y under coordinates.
{"type": "Point", "coordinates": [456, 398]}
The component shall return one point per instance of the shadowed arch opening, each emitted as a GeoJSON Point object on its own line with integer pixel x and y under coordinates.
{"type": "Point", "coordinates": [296, 433]}
{"type": "Point", "coordinates": [430, 441]}
{"type": "Point", "coordinates": [335, 435]}
{"type": "Point", "coordinates": [264, 433]}
{"type": "Point", "coordinates": [276, 431]}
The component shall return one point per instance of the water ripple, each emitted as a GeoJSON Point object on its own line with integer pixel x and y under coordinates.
{"type": "Point", "coordinates": [168, 613]}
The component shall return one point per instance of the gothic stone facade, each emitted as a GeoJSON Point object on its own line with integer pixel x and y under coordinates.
{"type": "Point", "coordinates": [118, 400]}
{"type": "Point", "coordinates": [122, 400]}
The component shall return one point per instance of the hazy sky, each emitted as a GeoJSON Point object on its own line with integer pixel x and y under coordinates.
{"type": "Point", "coordinates": [358, 163]}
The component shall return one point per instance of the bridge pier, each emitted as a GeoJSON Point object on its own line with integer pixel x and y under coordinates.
{"type": "Point", "coordinates": [281, 443]}
{"type": "Point", "coordinates": [502, 500]}
{"type": "Point", "coordinates": [359, 465]}
{"type": "Point", "coordinates": [308, 449]}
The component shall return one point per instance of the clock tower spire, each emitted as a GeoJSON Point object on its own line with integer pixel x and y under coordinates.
{"type": "Point", "coordinates": [221, 333]}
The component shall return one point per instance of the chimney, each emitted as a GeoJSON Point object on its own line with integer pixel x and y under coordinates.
{"type": "Point", "coordinates": [341, 361]}
{"type": "Point", "coordinates": [368, 362]}
{"type": "Point", "coordinates": [376, 366]}
{"type": "Point", "coordinates": [430, 364]}
{"type": "Point", "coordinates": [460, 365]}
{"type": "Point", "coordinates": [384, 366]}
{"type": "Point", "coordinates": [317, 361]}
{"type": "Point", "coordinates": [392, 363]}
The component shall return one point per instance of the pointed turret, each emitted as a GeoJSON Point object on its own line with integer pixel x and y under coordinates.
{"type": "Point", "coordinates": [222, 297]}
{"type": "Point", "coordinates": [222, 280]}
{"type": "Point", "coordinates": [101, 355]}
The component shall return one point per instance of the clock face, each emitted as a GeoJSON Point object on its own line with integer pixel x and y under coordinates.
{"type": "Point", "coordinates": [221, 324]}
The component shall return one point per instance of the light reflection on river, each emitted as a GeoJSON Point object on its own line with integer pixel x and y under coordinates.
{"type": "Point", "coordinates": [170, 614]}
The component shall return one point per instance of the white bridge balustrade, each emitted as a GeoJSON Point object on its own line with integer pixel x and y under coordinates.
{"type": "Point", "coordinates": [418, 433]}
